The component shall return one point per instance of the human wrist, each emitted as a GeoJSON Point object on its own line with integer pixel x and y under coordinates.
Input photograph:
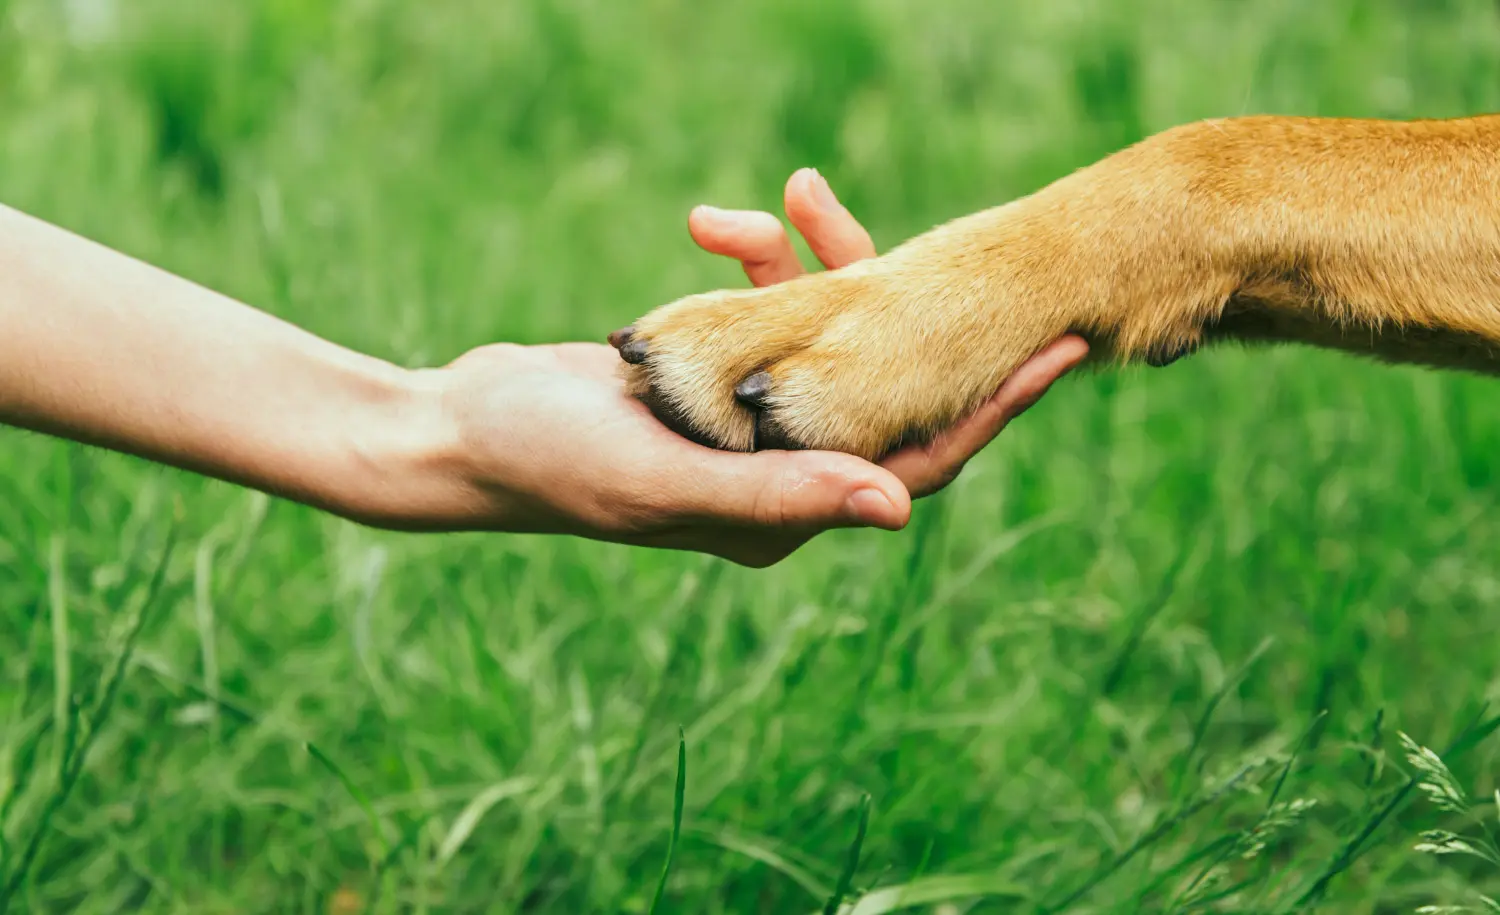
{"type": "Point", "coordinates": [403, 459]}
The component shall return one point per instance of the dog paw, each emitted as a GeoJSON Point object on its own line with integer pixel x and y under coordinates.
{"type": "Point", "coordinates": [861, 360]}
{"type": "Point", "coordinates": [892, 350]}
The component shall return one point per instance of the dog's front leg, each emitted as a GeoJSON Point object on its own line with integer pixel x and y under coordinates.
{"type": "Point", "coordinates": [1370, 235]}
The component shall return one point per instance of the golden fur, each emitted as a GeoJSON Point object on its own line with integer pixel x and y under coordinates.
{"type": "Point", "coordinates": [1381, 237]}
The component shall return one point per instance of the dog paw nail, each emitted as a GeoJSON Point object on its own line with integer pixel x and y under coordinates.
{"type": "Point", "coordinates": [621, 337]}
{"type": "Point", "coordinates": [634, 352]}
{"type": "Point", "coordinates": [754, 390]}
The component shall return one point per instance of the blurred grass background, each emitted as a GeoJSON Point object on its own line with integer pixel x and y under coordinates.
{"type": "Point", "coordinates": [1073, 684]}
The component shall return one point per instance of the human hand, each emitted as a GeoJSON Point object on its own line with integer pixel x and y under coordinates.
{"type": "Point", "coordinates": [545, 439]}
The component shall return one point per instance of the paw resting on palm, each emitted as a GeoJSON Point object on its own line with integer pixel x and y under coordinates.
{"type": "Point", "coordinates": [863, 360]}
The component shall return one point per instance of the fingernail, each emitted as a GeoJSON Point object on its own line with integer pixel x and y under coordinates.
{"type": "Point", "coordinates": [823, 194]}
{"type": "Point", "coordinates": [871, 507]}
{"type": "Point", "coordinates": [711, 212]}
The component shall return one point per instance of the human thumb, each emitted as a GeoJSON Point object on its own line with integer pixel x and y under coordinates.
{"type": "Point", "coordinates": [806, 490]}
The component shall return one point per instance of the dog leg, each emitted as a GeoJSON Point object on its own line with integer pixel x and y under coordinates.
{"type": "Point", "coordinates": [1375, 236]}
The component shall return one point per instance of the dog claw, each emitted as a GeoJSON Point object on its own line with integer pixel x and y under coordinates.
{"type": "Point", "coordinates": [621, 337]}
{"type": "Point", "coordinates": [754, 390]}
{"type": "Point", "coordinates": [634, 352]}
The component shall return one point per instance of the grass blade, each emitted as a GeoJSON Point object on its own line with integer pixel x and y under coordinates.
{"type": "Point", "coordinates": [1467, 740]}
{"type": "Point", "coordinates": [474, 811]}
{"type": "Point", "coordinates": [354, 791]}
{"type": "Point", "coordinates": [76, 758]}
{"type": "Point", "coordinates": [846, 879]}
{"type": "Point", "coordinates": [1229, 844]}
{"type": "Point", "coordinates": [698, 592]}
{"type": "Point", "coordinates": [248, 716]}
{"type": "Point", "coordinates": [1291, 760]}
{"type": "Point", "coordinates": [677, 797]}
{"type": "Point", "coordinates": [1154, 835]}
{"type": "Point", "coordinates": [16, 778]}
{"type": "Point", "coordinates": [1200, 729]}
{"type": "Point", "coordinates": [62, 654]}
{"type": "Point", "coordinates": [932, 891]}
{"type": "Point", "coordinates": [760, 849]}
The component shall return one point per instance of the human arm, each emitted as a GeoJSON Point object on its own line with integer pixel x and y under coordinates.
{"type": "Point", "coordinates": [101, 348]}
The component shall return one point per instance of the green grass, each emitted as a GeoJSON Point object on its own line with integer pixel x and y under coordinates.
{"type": "Point", "coordinates": [1151, 653]}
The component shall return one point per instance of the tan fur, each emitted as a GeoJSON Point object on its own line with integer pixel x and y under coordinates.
{"type": "Point", "coordinates": [1380, 237]}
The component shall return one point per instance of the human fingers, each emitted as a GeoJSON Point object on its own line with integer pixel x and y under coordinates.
{"type": "Point", "coordinates": [756, 239]}
{"type": "Point", "coordinates": [832, 232]}
{"type": "Point", "coordinates": [794, 491]}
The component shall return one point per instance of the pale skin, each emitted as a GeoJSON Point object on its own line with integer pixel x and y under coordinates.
{"type": "Point", "coordinates": [103, 349]}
